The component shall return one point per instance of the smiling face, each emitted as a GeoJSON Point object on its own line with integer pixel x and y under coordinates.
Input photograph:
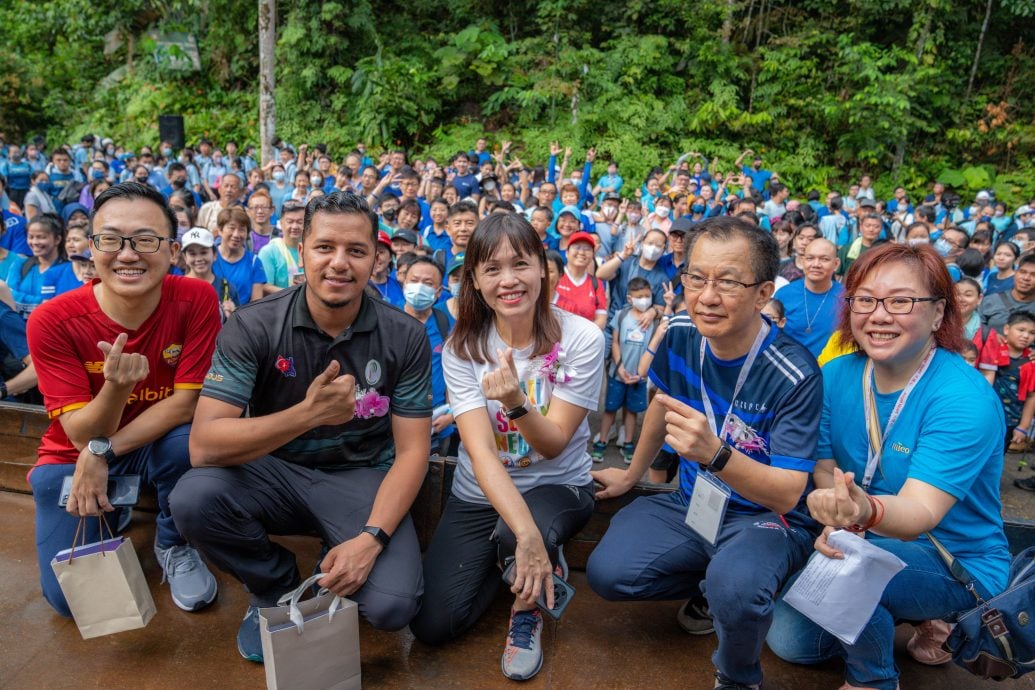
{"type": "Point", "coordinates": [199, 259]}
{"type": "Point", "coordinates": [126, 273]}
{"type": "Point", "coordinates": [724, 317]}
{"type": "Point", "coordinates": [968, 297]}
{"type": "Point", "coordinates": [509, 282]}
{"type": "Point", "coordinates": [233, 235]}
{"type": "Point", "coordinates": [42, 242]}
{"type": "Point", "coordinates": [580, 255]}
{"type": "Point", "coordinates": [76, 241]}
{"type": "Point", "coordinates": [459, 229]}
{"type": "Point", "coordinates": [338, 257]}
{"type": "Point", "coordinates": [567, 224]}
{"type": "Point", "coordinates": [896, 341]}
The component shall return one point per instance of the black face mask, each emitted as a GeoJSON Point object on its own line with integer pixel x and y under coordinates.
{"type": "Point", "coordinates": [389, 214]}
{"type": "Point", "coordinates": [142, 180]}
{"type": "Point", "coordinates": [178, 184]}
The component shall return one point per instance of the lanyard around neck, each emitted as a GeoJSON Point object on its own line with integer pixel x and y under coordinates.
{"type": "Point", "coordinates": [745, 368]}
{"type": "Point", "coordinates": [874, 436]}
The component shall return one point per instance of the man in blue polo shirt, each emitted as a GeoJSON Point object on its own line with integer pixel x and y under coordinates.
{"type": "Point", "coordinates": [338, 388]}
{"type": "Point", "coordinates": [746, 445]}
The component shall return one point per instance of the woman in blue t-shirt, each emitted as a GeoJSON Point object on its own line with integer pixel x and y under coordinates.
{"type": "Point", "coordinates": [46, 238]}
{"type": "Point", "coordinates": [895, 466]}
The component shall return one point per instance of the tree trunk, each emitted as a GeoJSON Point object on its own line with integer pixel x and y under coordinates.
{"type": "Point", "coordinates": [727, 22]}
{"type": "Point", "coordinates": [977, 51]}
{"type": "Point", "coordinates": [267, 50]}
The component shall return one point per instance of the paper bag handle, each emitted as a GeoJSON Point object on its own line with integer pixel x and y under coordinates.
{"type": "Point", "coordinates": [292, 598]}
{"type": "Point", "coordinates": [81, 531]}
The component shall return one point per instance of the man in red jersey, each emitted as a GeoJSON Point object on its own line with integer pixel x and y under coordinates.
{"type": "Point", "coordinates": [120, 364]}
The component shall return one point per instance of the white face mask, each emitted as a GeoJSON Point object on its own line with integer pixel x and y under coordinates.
{"type": "Point", "coordinates": [651, 252]}
{"type": "Point", "coordinates": [634, 218]}
{"type": "Point", "coordinates": [641, 303]}
{"type": "Point", "coordinates": [610, 211]}
{"type": "Point", "coordinates": [454, 287]}
{"type": "Point", "coordinates": [662, 211]}
{"type": "Point", "coordinates": [916, 241]}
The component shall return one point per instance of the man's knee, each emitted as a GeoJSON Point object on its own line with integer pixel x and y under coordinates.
{"type": "Point", "coordinates": [735, 597]}
{"type": "Point", "coordinates": [391, 612]}
{"type": "Point", "coordinates": [606, 573]}
{"type": "Point", "coordinates": [433, 626]}
{"type": "Point", "coordinates": [197, 498]}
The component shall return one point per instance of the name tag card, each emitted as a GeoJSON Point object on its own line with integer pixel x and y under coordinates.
{"type": "Point", "coordinates": [707, 506]}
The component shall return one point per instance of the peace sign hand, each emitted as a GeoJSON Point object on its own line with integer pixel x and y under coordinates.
{"type": "Point", "coordinates": [502, 384]}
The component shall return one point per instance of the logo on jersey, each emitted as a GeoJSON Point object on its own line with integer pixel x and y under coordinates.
{"type": "Point", "coordinates": [744, 438]}
{"type": "Point", "coordinates": [94, 367]}
{"type": "Point", "coordinates": [372, 373]}
{"type": "Point", "coordinates": [171, 354]}
{"type": "Point", "coordinates": [286, 366]}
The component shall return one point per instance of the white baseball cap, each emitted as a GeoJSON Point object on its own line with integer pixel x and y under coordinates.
{"type": "Point", "coordinates": [198, 236]}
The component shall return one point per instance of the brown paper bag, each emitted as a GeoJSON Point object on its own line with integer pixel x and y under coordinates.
{"type": "Point", "coordinates": [104, 586]}
{"type": "Point", "coordinates": [311, 644]}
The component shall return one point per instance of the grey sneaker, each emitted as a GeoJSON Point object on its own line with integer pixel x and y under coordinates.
{"type": "Point", "coordinates": [523, 655]}
{"type": "Point", "coordinates": [694, 617]}
{"type": "Point", "coordinates": [192, 585]}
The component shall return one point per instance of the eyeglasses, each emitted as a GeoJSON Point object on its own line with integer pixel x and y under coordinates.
{"type": "Point", "coordinates": [142, 244]}
{"type": "Point", "coordinates": [724, 286]}
{"type": "Point", "coordinates": [892, 305]}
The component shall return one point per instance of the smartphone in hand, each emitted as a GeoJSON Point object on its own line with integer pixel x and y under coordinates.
{"type": "Point", "coordinates": [562, 592]}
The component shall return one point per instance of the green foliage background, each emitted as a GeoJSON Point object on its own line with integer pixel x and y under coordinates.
{"type": "Point", "coordinates": [823, 89]}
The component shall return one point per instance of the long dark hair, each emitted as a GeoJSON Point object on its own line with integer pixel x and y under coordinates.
{"type": "Point", "coordinates": [474, 319]}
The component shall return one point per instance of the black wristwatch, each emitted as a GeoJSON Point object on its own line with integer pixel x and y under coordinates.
{"type": "Point", "coordinates": [517, 412]}
{"type": "Point", "coordinates": [721, 457]}
{"type": "Point", "coordinates": [101, 447]}
{"type": "Point", "coordinates": [377, 533]}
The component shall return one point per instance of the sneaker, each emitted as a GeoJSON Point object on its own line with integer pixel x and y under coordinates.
{"type": "Point", "coordinates": [190, 582]}
{"type": "Point", "coordinates": [1026, 484]}
{"type": "Point", "coordinates": [523, 655]}
{"type": "Point", "coordinates": [693, 617]}
{"type": "Point", "coordinates": [249, 640]}
{"type": "Point", "coordinates": [598, 451]}
{"type": "Point", "coordinates": [561, 569]}
{"type": "Point", "coordinates": [627, 452]}
{"type": "Point", "coordinates": [724, 683]}
{"type": "Point", "coordinates": [926, 644]}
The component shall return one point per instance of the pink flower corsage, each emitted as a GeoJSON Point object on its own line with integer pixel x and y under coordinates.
{"type": "Point", "coordinates": [555, 366]}
{"type": "Point", "coordinates": [370, 403]}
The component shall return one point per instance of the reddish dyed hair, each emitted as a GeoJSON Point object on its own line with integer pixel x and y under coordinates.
{"type": "Point", "coordinates": [923, 260]}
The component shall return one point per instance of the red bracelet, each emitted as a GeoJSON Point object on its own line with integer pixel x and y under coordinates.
{"type": "Point", "coordinates": [875, 517]}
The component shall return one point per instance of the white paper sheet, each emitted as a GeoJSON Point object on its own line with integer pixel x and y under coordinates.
{"type": "Point", "coordinates": [840, 595]}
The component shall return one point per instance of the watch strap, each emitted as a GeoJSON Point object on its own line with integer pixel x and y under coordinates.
{"type": "Point", "coordinates": [377, 533]}
{"type": "Point", "coordinates": [518, 412]}
{"type": "Point", "coordinates": [109, 454]}
{"type": "Point", "coordinates": [721, 457]}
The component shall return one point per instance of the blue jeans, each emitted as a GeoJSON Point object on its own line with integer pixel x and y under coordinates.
{"type": "Point", "coordinates": [924, 590]}
{"type": "Point", "coordinates": [649, 552]}
{"type": "Point", "coordinates": [160, 464]}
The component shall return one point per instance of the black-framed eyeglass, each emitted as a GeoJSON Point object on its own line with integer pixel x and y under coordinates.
{"type": "Point", "coordinates": [142, 244]}
{"type": "Point", "coordinates": [893, 305]}
{"type": "Point", "coordinates": [724, 286]}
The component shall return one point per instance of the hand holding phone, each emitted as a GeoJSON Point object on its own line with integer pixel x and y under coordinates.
{"type": "Point", "coordinates": [562, 592]}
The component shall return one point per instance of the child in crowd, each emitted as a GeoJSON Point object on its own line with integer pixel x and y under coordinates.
{"type": "Point", "coordinates": [776, 312]}
{"type": "Point", "coordinates": [968, 296]}
{"type": "Point", "coordinates": [1005, 363]}
{"type": "Point", "coordinates": [969, 352]}
{"type": "Point", "coordinates": [626, 389]}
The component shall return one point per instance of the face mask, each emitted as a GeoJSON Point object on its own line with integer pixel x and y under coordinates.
{"type": "Point", "coordinates": [142, 180]}
{"type": "Point", "coordinates": [634, 218]}
{"type": "Point", "coordinates": [651, 252]}
{"type": "Point", "coordinates": [697, 208]}
{"type": "Point", "coordinates": [610, 211]}
{"type": "Point", "coordinates": [110, 150]}
{"type": "Point", "coordinates": [217, 161]}
{"type": "Point", "coordinates": [178, 184]}
{"type": "Point", "coordinates": [641, 303]}
{"type": "Point", "coordinates": [97, 175]}
{"type": "Point", "coordinates": [662, 211]}
{"type": "Point", "coordinates": [388, 214]}
{"type": "Point", "coordinates": [917, 241]}
{"type": "Point", "coordinates": [167, 152]}
{"type": "Point", "coordinates": [316, 181]}
{"type": "Point", "coordinates": [454, 287]}
{"type": "Point", "coordinates": [942, 247]}
{"type": "Point", "coordinates": [998, 212]}
{"type": "Point", "coordinates": [278, 176]}
{"type": "Point", "coordinates": [16, 157]}
{"type": "Point", "coordinates": [419, 296]}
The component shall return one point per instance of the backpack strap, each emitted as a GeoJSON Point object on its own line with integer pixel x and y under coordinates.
{"type": "Point", "coordinates": [442, 321]}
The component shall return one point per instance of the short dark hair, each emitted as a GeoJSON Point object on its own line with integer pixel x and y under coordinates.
{"type": "Point", "coordinates": [462, 206]}
{"type": "Point", "coordinates": [765, 252]}
{"type": "Point", "coordinates": [836, 203]}
{"type": "Point", "coordinates": [971, 262]}
{"type": "Point", "coordinates": [135, 190]}
{"type": "Point", "coordinates": [343, 202]}
{"type": "Point", "coordinates": [175, 166]}
{"type": "Point", "coordinates": [637, 283]}
{"type": "Point", "coordinates": [1026, 259]}
{"type": "Point", "coordinates": [544, 209]}
{"type": "Point", "coordinates": [1017, 317]}
{"type": "Point", "coordinates": [417, 259]}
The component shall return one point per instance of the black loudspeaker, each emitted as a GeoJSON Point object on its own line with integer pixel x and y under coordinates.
{"type": "Point", "coordinates": [170, 128]}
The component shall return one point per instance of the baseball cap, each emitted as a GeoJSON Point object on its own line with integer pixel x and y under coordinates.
{"type": "Point", "coordinates": [681, 224]}
{"type": "Point", "coordinates": [457, 262]}
{"type": "Point", "coordinates": [612, 196]}
{"type": "Point", "coordinates": [571, 210]}
{"type": "Point", "coordinates": [983, 194]}
{"type": "Point", "coordinates": [384, 239]}
{"type": "Point", "coordinates": [867, 202]}
{"type": "Point", "coordinates": [406, 236]}
{"type": "Point", "coordinates": [1023, 210]}
{"type": "Point", "coordinates": [84, 255]}
{"type": "Point", "coordinates": [197, 236]}
{"type": "Point", "coordinates": [582, 237]}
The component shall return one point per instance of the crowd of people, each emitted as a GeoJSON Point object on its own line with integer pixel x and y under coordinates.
{"type": "Point", "coordinates": [367, 314]}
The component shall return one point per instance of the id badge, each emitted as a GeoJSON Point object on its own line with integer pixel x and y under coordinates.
{"type": "Point", "coordinates": [708, 506]}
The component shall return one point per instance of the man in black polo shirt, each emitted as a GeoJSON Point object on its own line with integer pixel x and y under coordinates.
{"type": "Point", "coordinates": [338, 391]}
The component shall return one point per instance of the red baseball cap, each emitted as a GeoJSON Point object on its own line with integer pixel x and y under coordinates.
{"type": "Point", "coordinates": [384, 239]}
{"type": "Point", "coordinates": [582, 237]}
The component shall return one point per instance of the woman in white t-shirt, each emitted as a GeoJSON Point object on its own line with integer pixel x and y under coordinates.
{"type": "Point", "coordinates": [522, 376]}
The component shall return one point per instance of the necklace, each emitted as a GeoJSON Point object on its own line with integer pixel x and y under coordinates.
{"type": "Point", "coordinates": [810, 320]}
